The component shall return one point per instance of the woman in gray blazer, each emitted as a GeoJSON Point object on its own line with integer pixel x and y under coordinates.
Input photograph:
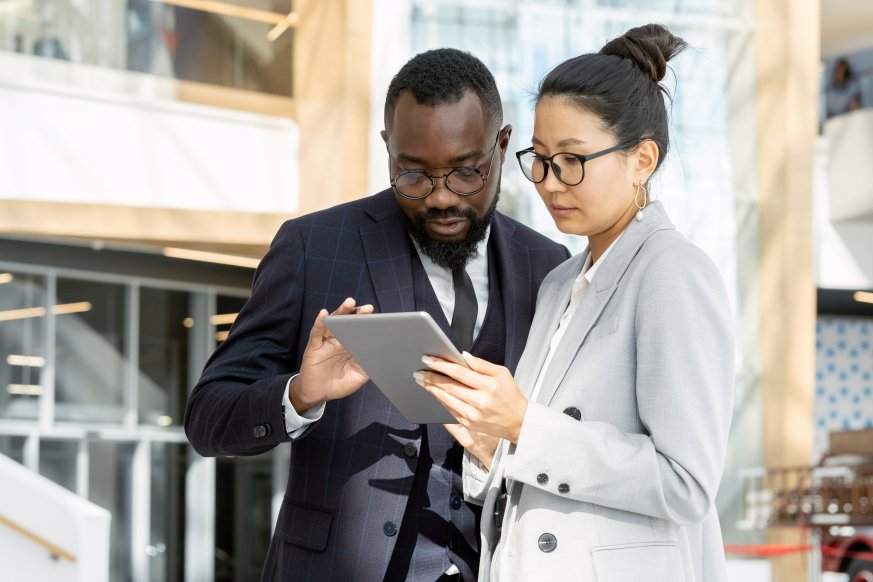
{"type": "Point", "coordinates": [601, 458]}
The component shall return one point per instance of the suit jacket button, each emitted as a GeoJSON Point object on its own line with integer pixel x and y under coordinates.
{"type": "Point", "coordinates": [547, 542]}
{"type": "Point", "coordinates": [410, 450]}
{"type": "Point", "coordinates": [563, 488]}
{"type": "Point", "coordinates": [455, 502]}
{"type": "Point", "coordinates": [542, 478]}
{"type": "Point", "coordinates": [574, 412]}
{"type": "Point", "coordinates": [389, 528]}
{"type": "Point", "coordinates": [261, 430]}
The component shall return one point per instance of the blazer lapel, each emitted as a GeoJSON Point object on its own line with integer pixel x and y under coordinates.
{"type": "Point", "coordinates": [598, 295]}
{"type": "Point", "coordinates": [388, 249]}
{"type": "Point", "coordinates": [552, 302]}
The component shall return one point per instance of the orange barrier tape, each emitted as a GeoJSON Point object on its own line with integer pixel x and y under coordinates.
{"type": "Point", "coordinates": [766, 550]}
{"type": "Point", "coordinates": [836, 552]}
{"type": "Point", "coordinates": [769, 550]}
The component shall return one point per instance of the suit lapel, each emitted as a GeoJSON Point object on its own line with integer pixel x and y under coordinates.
{"type": "Point", "coordinates": [513, 265]}
{"type": "Point", "coordinates": [597, 296]}
{"type": "Point", "coordinates": [388, 249]}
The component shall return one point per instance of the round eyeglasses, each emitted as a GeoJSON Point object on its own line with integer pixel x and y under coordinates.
{"type": "Point", "coordinates": [463, 181]}
{"type": "Point", "coordinates": [568, 168]}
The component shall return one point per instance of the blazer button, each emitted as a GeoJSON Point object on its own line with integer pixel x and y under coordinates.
{"type": "Point", "coordinates": [455, 502]}
{"type": "Point", "coordinates": [563, 488]}
{"type": "Point", "coordinates": [574, 412]}
{"type": "Point", "coordinates": [542, 478]}
{"type": "Point", "coordinates": [410, 450]}
{"type": "Point", "coordinates": [389, 528]}
{"type": "Point", "coordinates": [547, 542]}
{"type": "Point", "coordinates": [261, 430]}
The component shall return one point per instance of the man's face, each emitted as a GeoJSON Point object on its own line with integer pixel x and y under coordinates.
{"type": "Point", "coordinates": [439, 139]}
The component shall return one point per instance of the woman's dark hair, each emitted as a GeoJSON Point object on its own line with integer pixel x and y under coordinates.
{"type": "Point", "coordinates": [621, 84]}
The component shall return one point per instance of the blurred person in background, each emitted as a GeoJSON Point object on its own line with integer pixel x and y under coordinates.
{"type": "Point", "coordinates": [371, 496]}
{"type": "Point", "coordinates": [843, 93]}
{"type": "Point", "coordinates": [613, 429]}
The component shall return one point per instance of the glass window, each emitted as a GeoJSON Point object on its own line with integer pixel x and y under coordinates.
{"type": "Point", "coordinates": [12, 447]}
{"type": "Point", "coordinates": [91, 360]}
{"type": "Point", "coordinates": [111, 487]}
{"type": "Point", "coordinates": [145, 36]}
{"type": "Point", "coordinates": [165, 329]}
{"type": "Point", "coordinates": [167, 546]}
{"type": "Point", "coordinates": [243, 519]}
{"type": "Point", "coordinates": [22, 344]}
{"type": "Point", "coordinates": [226, 310]}
{"type": "Point", "coordinates": [57, 461]}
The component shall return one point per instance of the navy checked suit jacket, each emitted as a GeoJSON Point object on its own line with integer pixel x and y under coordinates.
{"type": "Point", "coordinates": [349, 474]}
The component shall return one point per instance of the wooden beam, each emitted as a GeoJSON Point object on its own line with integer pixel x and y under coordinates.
{"type": "Point", "coordinates": [787, 63]}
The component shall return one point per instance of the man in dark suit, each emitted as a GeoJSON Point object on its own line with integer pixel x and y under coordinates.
{"type": "Point", "coordinates": [371, 496]}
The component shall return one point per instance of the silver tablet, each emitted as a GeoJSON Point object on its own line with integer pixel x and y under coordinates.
{"type": "Point", "coordinates": [389, 347]}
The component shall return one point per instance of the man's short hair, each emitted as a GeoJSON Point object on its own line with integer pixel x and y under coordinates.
{"type": "Point", "coordinates": [442, 76]}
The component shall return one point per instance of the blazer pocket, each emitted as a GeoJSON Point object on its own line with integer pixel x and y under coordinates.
{"type": "Point", "coordinates": [304, 526]}
{"type": "Point", "coordinates": [604, 328]}
{"type": "Point", "coordinates": [649, 561]}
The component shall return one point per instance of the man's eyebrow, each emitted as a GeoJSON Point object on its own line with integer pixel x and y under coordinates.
{"type": "Point", "coordinates": [455, 160]}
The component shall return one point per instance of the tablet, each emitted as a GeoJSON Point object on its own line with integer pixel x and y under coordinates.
{"type": "Point", "coordinates": [389, 347]}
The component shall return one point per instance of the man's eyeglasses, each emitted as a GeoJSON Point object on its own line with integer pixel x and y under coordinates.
{"type": "Point", "coordinates": [463, 181]}
{"type": "Point", "coordinates": [568, 168]}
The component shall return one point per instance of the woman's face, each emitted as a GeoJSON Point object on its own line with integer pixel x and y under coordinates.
{"type": "Point", "coordinates": [602, 205]}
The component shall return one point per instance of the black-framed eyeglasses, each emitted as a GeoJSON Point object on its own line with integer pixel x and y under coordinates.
{"type": "Point", "coordinates": [463, 180]}
{"type": "Point", "coordinates": [569, 168]}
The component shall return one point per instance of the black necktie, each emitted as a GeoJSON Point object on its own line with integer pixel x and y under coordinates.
{"type": "Point", "coordinates": [466, 308]}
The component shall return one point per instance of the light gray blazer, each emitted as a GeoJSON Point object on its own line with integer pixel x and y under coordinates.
{"type": "Point", "coordinates": [619, 459]}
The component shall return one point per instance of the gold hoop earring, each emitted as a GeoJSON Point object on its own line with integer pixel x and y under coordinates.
{"type": "Point", "coordinates": [641, 188]}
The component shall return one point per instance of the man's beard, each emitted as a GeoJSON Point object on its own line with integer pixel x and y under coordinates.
{"type": "Point", "coordinates": [452, 254]}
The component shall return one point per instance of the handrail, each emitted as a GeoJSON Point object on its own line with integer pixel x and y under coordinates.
{"type": "Point", "coordinates": [52, 548]}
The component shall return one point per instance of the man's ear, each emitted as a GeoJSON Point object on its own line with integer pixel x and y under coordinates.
{"type": "Point", "coordinates": [503, 140]}
{"type": "Point", "coordinates": [384, 134]}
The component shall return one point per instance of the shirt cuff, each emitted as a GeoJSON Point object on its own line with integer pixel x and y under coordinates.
{"type": "Point", "coordinates": [475, 478]}
{"type": "Point", "coordinates": [296, 424]}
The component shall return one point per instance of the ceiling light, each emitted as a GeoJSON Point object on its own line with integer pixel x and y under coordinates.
{"type": "Point", "coordinates": [206, 257]}
{"type": "Point", "coordinates": [223, 318]}
{"type": "Point", "coordinates": [164, 420]}
{"type": "Point", "coordinates": [19, 360]}
{"type": "Point", "coordinates": [24, 389]}
{"type": "Point", "coordinates": [221, 335]}
{"type": "Point", "coordinates": [6, 278]}
{"type": "Point", "coordinates": [188, 322]}
{"type": "Point", "coordinates": [228, 9]}
{"type": "Point", "coordinates": [863, 296]}
{"type": "Point", "coordinates": [61, 309]}
{"type": "Point", "coordinates": [289, 21]}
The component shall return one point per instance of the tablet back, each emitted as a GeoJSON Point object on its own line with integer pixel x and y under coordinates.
{"type": "Point", "coordinates": [389, 347]}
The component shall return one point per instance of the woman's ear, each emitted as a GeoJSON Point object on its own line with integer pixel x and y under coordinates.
{"type": "Point", "coordinates": [647, 156]}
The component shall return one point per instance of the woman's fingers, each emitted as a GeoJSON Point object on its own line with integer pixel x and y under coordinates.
{"type": "Point", "coordinates": [482, 366]}
{"type": "Point", "coordinates": [457, 372]}
{"type": "Point", "coordinates": [431, 381]}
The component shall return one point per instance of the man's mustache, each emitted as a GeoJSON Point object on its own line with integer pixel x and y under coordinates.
{"type": "Point", "coordinates": [439, 213]}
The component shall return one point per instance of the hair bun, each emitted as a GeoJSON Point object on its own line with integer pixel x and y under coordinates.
{"type": "Point", "coordinates": [650, 46]}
